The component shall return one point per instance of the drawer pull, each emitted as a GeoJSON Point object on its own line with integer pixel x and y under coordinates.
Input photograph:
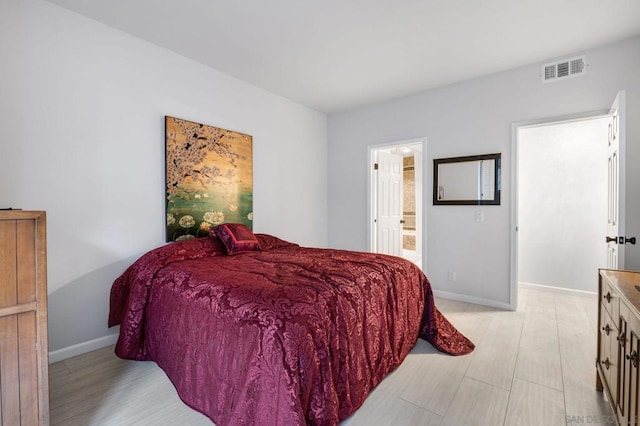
{"type": "Point", "coordinates": [608, 297]}
{"type": "Point", "coordinates": [621, 339]}
{"type": "Point", "coordinates": [633, 356]}
{"type": "Point", "coordinates": [606, 329]}
{"type": "Point", "coordinates": [606, 363]}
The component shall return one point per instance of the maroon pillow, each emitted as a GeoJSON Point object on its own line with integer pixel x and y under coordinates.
{"type": "Point", "coordinates": [236, 237]}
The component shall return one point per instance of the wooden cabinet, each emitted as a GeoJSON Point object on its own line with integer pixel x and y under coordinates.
{"type": "Point", "coordinates": [619, 342]}
{"type": "Point", "coordinates": [24, 381]}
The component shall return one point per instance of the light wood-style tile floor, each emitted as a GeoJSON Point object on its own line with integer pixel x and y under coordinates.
{"type": "Point", "coordinates": [535, 366]}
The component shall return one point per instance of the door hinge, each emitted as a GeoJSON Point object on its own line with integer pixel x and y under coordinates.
{"type": "Point", "coordinates": [375, 166]}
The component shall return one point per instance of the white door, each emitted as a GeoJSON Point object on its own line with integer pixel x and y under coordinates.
{"type": "Point", "coordinates": [389, 206]}
{"type": "Point", "coordinates": [616, 185]}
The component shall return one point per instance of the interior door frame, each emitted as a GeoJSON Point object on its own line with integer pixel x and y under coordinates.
{"type": "Point", "coordinates": [513, 274]}
{"type": "Point", "coordinates": [371, 199]}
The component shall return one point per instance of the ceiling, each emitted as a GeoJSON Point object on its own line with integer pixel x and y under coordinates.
{"type": "Point", "coordinates": [333, 55]}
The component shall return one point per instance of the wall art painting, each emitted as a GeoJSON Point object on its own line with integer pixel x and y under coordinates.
{"type": "Point", "coordinates": [209, 178]}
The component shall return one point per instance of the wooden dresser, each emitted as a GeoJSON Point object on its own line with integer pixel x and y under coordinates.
{"type": "Point", "coordinates": [24, 380]}
{"type": "Point", "coordinates": [618, 342]}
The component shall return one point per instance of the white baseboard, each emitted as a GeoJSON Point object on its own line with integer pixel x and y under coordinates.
{"type": "Point", "coordinates": [472, 299]}
{"type": "Point", "coordinates": [82, 348]}
{"type": "Point", "coordinates": [561, 290]}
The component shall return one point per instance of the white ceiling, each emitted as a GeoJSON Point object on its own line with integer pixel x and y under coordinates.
{"type": "Point", "coordinates": [333, 55]}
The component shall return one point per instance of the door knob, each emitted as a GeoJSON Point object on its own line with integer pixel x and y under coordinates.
{"type": "Point", "coordinates": [621, 240]}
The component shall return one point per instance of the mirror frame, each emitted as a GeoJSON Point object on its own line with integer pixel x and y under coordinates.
{"type": "Point", "coordinates": [496, 197]}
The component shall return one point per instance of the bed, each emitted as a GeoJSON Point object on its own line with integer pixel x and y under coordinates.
{"type": "Point", "coordinates": [276, 335]}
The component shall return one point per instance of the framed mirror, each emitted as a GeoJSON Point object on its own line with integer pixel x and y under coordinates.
{"type": "Point", "coordinates": [470, 180]}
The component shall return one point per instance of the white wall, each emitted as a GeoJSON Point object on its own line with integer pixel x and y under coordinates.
{"type": "Point", "coordinates": [562, 203]}
{"type": "Point", "coordinates": [474, 117]}
{"type": "Point", "coordinates": [82, 111]}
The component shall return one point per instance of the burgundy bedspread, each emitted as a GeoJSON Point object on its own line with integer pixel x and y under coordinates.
{"type": "Point", "coordinates": [283, 336]}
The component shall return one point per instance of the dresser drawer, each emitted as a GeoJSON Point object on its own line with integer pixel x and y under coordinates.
{"type": "Point", "coordinates": [610, 300]}
{"type": "Point", "coordinates": [607, 325]}
{"type": "Point", "coordinates": [608, 352]}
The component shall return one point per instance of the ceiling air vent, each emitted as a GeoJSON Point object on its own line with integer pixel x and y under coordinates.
{"type": "Point", "coordinates": [565, 68]}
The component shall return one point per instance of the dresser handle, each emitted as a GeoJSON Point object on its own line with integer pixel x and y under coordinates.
{"type": "Point", "coordinates": [606, 363]}
{"type": "Point", "coordinates": [608, 297]}
{"type": "Point", "coordinates": [606, 329]}
{"type": "Point", "coordinates": [633, 356]}
{"type": "Point", "coordinates": [621, 339]}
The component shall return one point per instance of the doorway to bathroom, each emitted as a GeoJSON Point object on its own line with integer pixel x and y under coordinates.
{"type": "Point", "coordinates": [396, 200]}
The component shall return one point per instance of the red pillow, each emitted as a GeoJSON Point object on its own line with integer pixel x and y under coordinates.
{"type": "Point", "coordinates": [237, 237]}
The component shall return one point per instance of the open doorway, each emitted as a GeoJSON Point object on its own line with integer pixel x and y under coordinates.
{"type": "Point", "coordinates": [396, 200]}
{"type": "Point", "coordinates": [561, 203]}
{"type": "Point", "coordinates": [611, 134]}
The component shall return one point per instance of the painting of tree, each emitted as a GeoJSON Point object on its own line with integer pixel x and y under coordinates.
{"type": "Point", "coordinates": [209, 178]}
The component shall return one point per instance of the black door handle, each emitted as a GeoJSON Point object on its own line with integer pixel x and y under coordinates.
{"type": "Point", "coordinates": [620, 240]}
